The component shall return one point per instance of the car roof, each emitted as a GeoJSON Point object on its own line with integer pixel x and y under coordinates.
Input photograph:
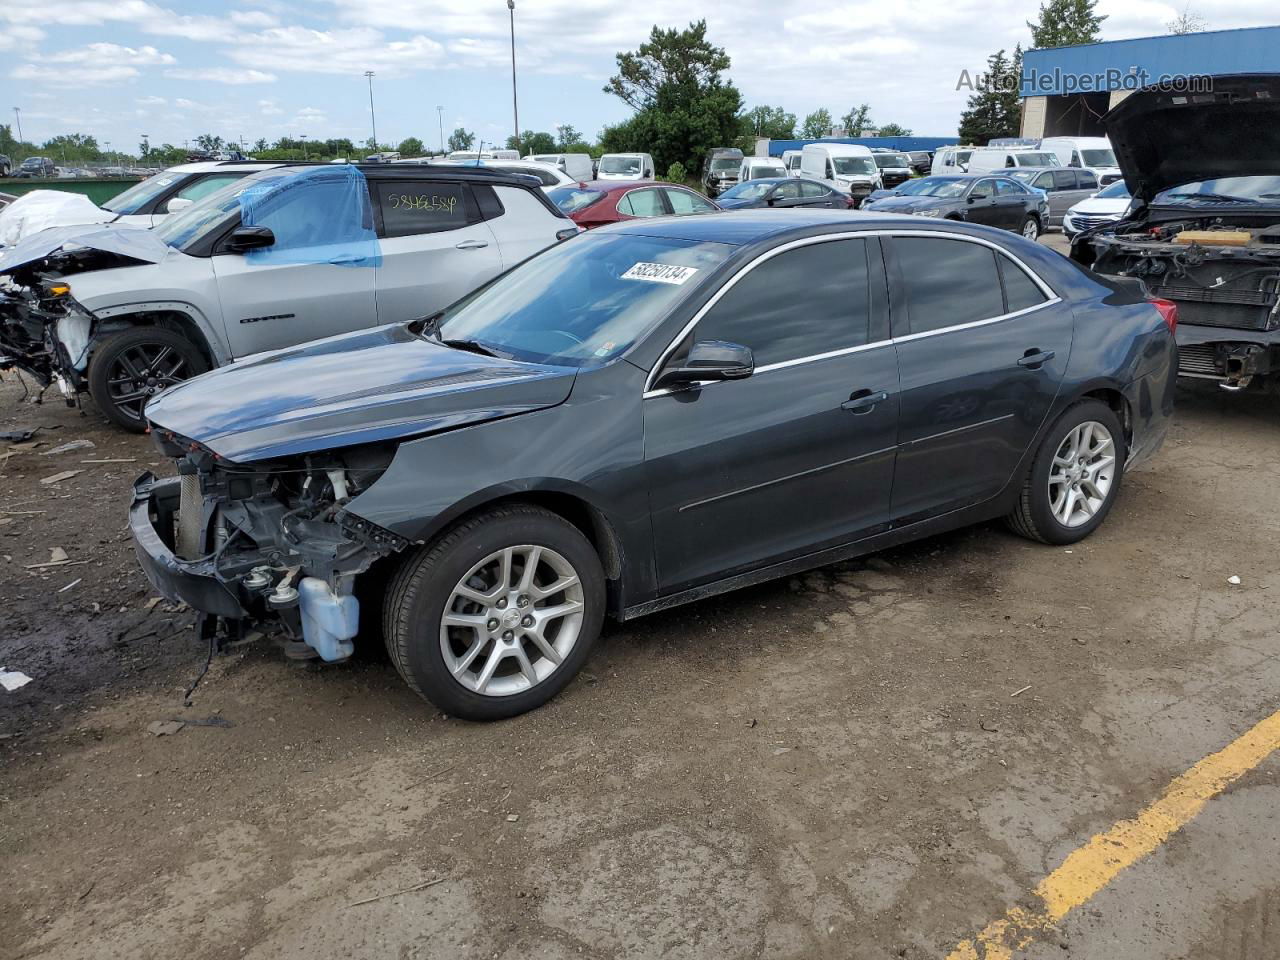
{"type": "Point", "coordinates": [1038, 169]}
{"type": "Point", "coordinates": [613, 186]}
{"type": "Point", "coordinates": [205, 166]}
{"type": "Point", "coordinates": [742, 227]}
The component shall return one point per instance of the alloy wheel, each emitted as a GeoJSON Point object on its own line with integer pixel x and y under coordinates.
{"type": "Point", "coordinates": [142, 371]}
{"type": "Point", "coordinates": [512, 620]}
{"type": "Point", "coordinates": [1082, 473]}
{"type": "Point", "coordinates": [1030, 229]}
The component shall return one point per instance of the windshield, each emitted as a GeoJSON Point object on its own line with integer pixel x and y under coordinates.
{"type": "Point", "coordinates": [1114, 191]}
{"type": "Point", "coordinates": [724, 163]}
{"type": "Point", "coordinates": [854, 166]}
{"type": "Point", "coordinates": [140, 194]}
{"type": "Point", "coordinates": [747, 191]}
{"type": "Point", "coordinates": [1035, 159]}
{"type": "Point", "coordinates": [1025, 176]}
{"type": "Point", "coordinates": [1224, 190]}
{"type": "Point", "coordinates": [934, 187]}
{"type": "Point", "coordinates": [620, 165]}
{"type": "Point", "coordinates": [1098, 158]}
{"type": "Point", "coordinates": [180, 229]}
{"type": "Point", "coordinates": [766, 170]}
{"type": "Point", "coordinates": [582, 302]}
{"type": "Point", "coordinates": [573, 199]}
{"type": "Point", "coordinates": [884, 160]}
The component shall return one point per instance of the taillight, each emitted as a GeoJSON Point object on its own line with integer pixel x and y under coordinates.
{"type": "Point", "coordinates": [1169, 310]}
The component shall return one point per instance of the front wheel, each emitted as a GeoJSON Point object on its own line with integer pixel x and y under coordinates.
{"type": "Point", "coordinates": [132, 366]}
{"type": "Point", "coordinates": [1030, 228]}
{"type": "Point", "coordinates": [1075, 477]}
{"type": "Point", "coordinates": [497, 616]}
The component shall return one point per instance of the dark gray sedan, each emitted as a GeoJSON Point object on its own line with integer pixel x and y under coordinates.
{"type": "Point", "coordinates": [994, 200]}
{"type": "Point", "coordinates": [784, 192]}
{"type": "Point", "coordinates": [647, 415]}
{"type": "Point", "coordinates": [1064, 187]}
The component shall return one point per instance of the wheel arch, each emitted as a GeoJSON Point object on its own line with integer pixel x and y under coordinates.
{"type": "Point", "coordinates": [1114, 398]}
{"type": "Point", "coordinates": [166, 316]}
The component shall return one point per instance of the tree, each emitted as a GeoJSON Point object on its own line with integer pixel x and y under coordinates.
{"type": "Point", "coordinates": [1186, 22]}
{"type": "Point", "coordinates": [460, 139]}
{"type": "Point", "coordinates": [856, 120]}
{"type": "Point", "coordinates": [209, 143]}
{"type": "Point", "coordinates": [992, 110]}
{"type": "Point", "coordinates": [532, 142]}
{"type": "Point", "coordinates": [260, 144]}
{"type": "Point", "coordinates": [411, 147]}
{"type": "Point", "coordinates": [772, 122]}
{"type": "Point", "coordinates": [816, 124]}
{"type": "Point", "coordinates": [1066, 22]}
{"type": "Point", "coordinates": [893, 130]}
{"type": "Point", "coordinates": [566, 135]}
{"type": "Point", "coordinates": [684, 107]}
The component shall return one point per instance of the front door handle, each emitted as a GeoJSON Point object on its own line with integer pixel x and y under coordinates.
{"type": "Point", "coordinates": [1034, 359]}
{"type": "Point", "coordinates": [471, 245]}
{"type": "Point", "coordinates": [864, 401]}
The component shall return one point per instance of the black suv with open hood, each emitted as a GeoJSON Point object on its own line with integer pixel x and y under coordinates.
{"type": "Point", "coordinates": [1204, 228]}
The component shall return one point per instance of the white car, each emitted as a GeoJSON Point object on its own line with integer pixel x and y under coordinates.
{"type": "Point", "coordinates": [625, 166]}
{"type": "Point", "coordinates": [282, 257]}
{"type": "Point", "coordinates": [754, 168]}
{"type": "Point", "coordinates": [145, 204]}
{"type": "Point", "coordinates": [1106, 206]}
{"type": "Point", "coordinates": [550, 176]}
{"type": "Point", "coordinates": [579, 166]}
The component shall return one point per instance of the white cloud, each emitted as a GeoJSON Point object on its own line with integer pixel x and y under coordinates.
{"type": "Point", "coordinates": [304, 50]}
{"type": "Point", "coordinates": [20, 36]}
{"type": "Point", "coordinates": [110, 55]}
{"type": "Point", "coordinates": [74, 76]}
{"type": "Point", "coordinates": [269, 108]}
{"type": "Point", "coordinates": [151, 101]}
{"type": "Point", "coordinates": [227, 75]}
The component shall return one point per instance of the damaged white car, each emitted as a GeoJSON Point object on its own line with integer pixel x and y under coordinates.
{"type": "Point", "coordinates": [278, 258]}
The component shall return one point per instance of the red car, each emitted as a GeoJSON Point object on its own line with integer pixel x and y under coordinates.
{"type": "Point", "coordinates": [597, 202]}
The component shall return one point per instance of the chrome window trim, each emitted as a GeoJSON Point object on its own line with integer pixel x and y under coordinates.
{"type": "Point", "coordinates": [1050, 295]}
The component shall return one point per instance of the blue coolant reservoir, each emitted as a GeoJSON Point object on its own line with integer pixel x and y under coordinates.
{"type": "Point", "coordinates": [329, 621]}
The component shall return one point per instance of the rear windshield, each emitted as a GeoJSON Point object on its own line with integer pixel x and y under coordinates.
{"type": "Point", "coordinates": [582, 302]}
{"type": "Point", "coordinates": [620, 165]}
{"type": "Point", "coordinates": [934, 187]}
{"type": "Point", "coordinates": [747, 191]}
{"type": "Point", "coordinates": [141, 194]}
{"type": "Point", "coordinates": [1114, 191]}
{"type": "Point", "coordinates": [573, 199]}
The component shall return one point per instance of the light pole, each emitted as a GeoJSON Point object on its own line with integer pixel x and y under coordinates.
{"type": "Point", "coordinates": [17, 115]}
{"type": "Point", "coordinates": [440, 118]}
{"type": "Point", "coordinates": [303, 138]}
{"type": "Point", "coordinates": [108, 145]}
{"type": "Point", "coordinates": [373, 120]}
{"type": "Point", "coordinates": [515, 109]}
{"type": "Point", "coordinates": [146, 147]}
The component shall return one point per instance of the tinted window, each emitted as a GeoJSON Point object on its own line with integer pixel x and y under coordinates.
{"type": "Point", "coordinates": [948, 281]}
{"type": "Point", "coordinates": [1044, 182]}
{"type": "Point", "coordinates": [983, 189]}
{"type": "Point", "coordinates": [1088, 180]}
{"type": "Point", "coordinates": [1064, 179]}
{"type": "Point", "coordinates": [1007, 187]}
{"type": "Point", "coordinates": [573, 199]}
{"type": "Point", "coordinates": [806, 301]}
{"type": "Point", "coordinates": [1020, 291]}
{"type": "Point", "coordinates": [788, 191]}
{"type": "Point", "coordinates": [410, 207]}
{"type": "Point", "coordinates": [642, 203]}
{"type": "Point", "coordinates": [683, 201]}
{"type": "Point", "coordinates": [810, 189]}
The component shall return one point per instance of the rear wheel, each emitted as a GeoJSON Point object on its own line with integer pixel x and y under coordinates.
{"type": "Point", "coordinates": [132, 366]}
{"type": "Point", "coordinates": [1075, 477]}
{"type": "Point", "coordinates": [496, 617]}
{"type": "Point", "coordinates": [1030, 228]}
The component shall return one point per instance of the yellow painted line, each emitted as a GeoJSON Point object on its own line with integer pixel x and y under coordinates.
{"type": "Point", "coordinates": [1091, 867]}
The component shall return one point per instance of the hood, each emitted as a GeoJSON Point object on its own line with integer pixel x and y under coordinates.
{"type": "Point", "coordinates": [42, 209]}
{"type": "Point", "coordinates": [1163, 140]}
{"type": "Point", "coordinates": [373, 385]}
{"type": "Point", "coordinates": [141, 245]}
{"type": "Point", "coordinates": [1102, 206]}
{"type": "Point", "coordinates": [898, 204]}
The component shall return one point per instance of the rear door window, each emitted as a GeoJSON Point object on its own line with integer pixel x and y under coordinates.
{"type": "Point", "coordinates": [809, 190]}
{"type": "Point", "coordinates": [642, 203]}
{"type": "Point", "coordinates": [1064, 179]}
{"type": "Point", "coordinates": [410, 207]}
{"type": "Point", "coordinates": [788, 191]}
{"type": "Point", "coordinates": [1088, 180]}
{"type": "Point", "coordinates": [1007, 188]}
{"type": "Point", "coordinates": [948, 282]}
{"type": "Point", "coordinates": [1020, 291]}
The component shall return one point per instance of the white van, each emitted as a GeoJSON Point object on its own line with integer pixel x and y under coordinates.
{"type": "Point", "coordinates": [625, 166]}
{"type": "Point", "coordinates": [753, 168]}
{"type": "Point", "coordinates": [1087, 153]}
{"type": "Point", "coordinates": [953, 159]}
{"type": "Point", "coordinates": [791, 160]}
{"type": "Point", "coordinates": [987, 159]}
{"type": "Point", "coordinates": [846, 167]}
{"type": "Point", "coordinates": [577, 166]}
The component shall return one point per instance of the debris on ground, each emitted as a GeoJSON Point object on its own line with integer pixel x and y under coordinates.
{"type": "Point", "coordinates": [13, 679]}
{"type": "Point", "coordinates": [71, 584]}
{"type": "Point", "coordinates": [19, 435]}
{"type": "Point", "coordinates": [59, 477]}
{"type": "Point", "coordinates": [396, 893]}
{"type": "Point", "coordinates": [164, 728]}
{"type": "Point", "coordinates": [1233, 580]}
{"type": "Point", "coordinates": [69, 446]}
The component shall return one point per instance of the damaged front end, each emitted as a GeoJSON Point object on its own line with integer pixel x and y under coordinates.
{"type": "Point", "coordinates": [1224, 277]}
{"type": "Point", "coordinates": [43, 330]}
{"type": "Point", "coordinates": [268, 545]}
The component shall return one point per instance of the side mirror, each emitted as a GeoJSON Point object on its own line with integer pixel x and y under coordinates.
{"type": "Point", "coordinates": [973, 198]}
{"type": "Point", "coordinates": [250, 238]}
{"type": "Point", "coordinates": [770, 200]}
{"type": "Point", "coordinates": [178, 203]}
{"type": "Point", "coordinates": [710, 360]}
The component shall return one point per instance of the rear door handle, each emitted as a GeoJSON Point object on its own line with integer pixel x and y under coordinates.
{"type": "Point", "coordinates": [863, 401]}
{"type": "Point", "coordinates": [1035, 359]}
{"type": "Point", "coordinates": [471, 245]}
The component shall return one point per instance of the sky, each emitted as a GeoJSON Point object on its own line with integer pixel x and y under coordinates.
{"type": "Point", "coordinates": [174, 69]}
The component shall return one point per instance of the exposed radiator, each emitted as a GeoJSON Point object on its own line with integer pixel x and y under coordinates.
{"type": "Point", "coordinates": [190, 513]}
{"type": "Point", "coordinates": [1199, 360]}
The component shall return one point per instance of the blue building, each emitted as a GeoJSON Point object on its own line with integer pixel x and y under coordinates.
{"type": "Point", "coordinates": [1067, 90]}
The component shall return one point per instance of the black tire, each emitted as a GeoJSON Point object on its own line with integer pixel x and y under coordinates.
{"type": "Point", "coordinates": [418, 593]}
{"type": "Point", "coordinates": [1033, 222]}
{"type": "Point", "coordinates": [121, 352]}
{"type": "Point", "coordinates": [1033, 517]}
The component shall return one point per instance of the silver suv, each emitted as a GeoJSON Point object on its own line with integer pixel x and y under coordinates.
{"type": "Point", "coordinates": [280, 257]}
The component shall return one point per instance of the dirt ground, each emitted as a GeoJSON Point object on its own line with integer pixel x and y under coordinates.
{"type": "Point", "coordinates": [872, 760]}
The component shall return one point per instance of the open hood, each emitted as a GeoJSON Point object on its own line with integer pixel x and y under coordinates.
{"type": "Point", "coordinates": [1165, 139]}
{"type": "Point", "coordinates": [141, 245]}
{"type": "Point", "coordinates": [364, 387]}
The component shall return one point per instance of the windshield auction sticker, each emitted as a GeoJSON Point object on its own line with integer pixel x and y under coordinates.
{"type": "Point", "coordinates": [660, 273]}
